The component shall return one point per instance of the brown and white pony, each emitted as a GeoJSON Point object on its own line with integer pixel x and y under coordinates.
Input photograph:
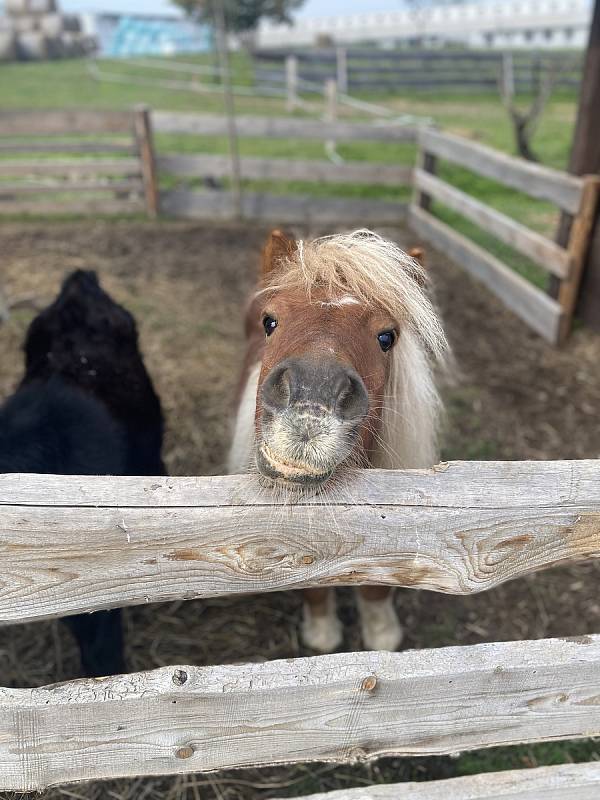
{"type": "Point", "coordinates": [341, 345]}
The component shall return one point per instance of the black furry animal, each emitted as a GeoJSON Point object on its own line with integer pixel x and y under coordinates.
{"type": "Point", "coordinates": [86, 406]}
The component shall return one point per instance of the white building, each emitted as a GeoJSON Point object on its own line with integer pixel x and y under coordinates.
{"type": "Point", "coordinates": [500, 24]}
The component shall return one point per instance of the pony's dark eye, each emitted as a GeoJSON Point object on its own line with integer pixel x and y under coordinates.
{"type": "Point", "coordinates": [269, 324]}
{"type": "Point", "coordinates": [386, 340]}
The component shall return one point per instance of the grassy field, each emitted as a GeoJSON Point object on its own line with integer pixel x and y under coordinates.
{"type": "Point", "coordinates": [479, 116]}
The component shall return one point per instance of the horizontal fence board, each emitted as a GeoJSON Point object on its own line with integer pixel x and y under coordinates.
{"type": "Point", "coordinates": [41, 187]}
{"type": "Point", "coordinates": [564, 782]}
{"type": "Point", "coordinates": [80, 207]}
{"type": "Point", "coordinates": [281, 208]}
{"type": "Point", "coordinates": [460, 529]}
{"type": "Point", "coordinates": [75, 166]}
{"type": "Point", "coordinates": [532, 179]}
{"type": "Point", "coordinates": [538, 248]}
{"type": "Point", "coordinates": [451, 484]}
{"type": "Point", "coordinates": [343, 707]}
{"type": "Point", "coordinates": [280, 127]}
{"type": "Point", "coordinates": [52, 122]}
{"type": "Point", "coordinates": [537, 309]}
{"type": "Point", "coordinates": [70, 146]}
{"type": "Point", "coordinates": [284, 169]}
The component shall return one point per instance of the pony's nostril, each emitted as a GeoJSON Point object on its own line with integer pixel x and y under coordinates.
{"type": "Point", "coordinates": [352, 400]}
{"type": "Point", "coordinates": [276, 389]}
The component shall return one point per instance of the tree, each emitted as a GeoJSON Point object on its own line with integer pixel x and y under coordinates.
{"type": "Point", "coordinates": [242, 15]}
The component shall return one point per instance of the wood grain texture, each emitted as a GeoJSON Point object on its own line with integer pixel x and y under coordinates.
{"type": "Point", "coordinates": [70, 166]}
{"type": "Point", "coordinates": [67, 121]}
{"type": "Point", "coordinates": [287, 169]}
{"type": "Point", "coordinates": [537, 309]}
{"type": "Point", "coordinates": [533, 179]}
{"type": "Point", "coordinates": [281, 127]}
{"type": "Point", "coordinates": [281, 208]}
{"type": "Point", "coordinates": [564, 782]}
{"type": "Point", "coordinates": [538, 248]}
{"type": "Point", "coordinates": [344, 707]}
{"type": "Point", "coordinates": [70, 545]}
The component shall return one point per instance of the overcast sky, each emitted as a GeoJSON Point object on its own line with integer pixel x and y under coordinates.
{"type": "Point", "coordinates": [310, 7]}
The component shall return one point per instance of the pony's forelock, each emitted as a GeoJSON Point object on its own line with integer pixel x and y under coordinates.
{"type": "Point", "coordinates": [372, 269]}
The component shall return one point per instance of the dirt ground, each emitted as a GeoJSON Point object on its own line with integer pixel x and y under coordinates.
{"type": "Point", "coordinates": [515, 397]}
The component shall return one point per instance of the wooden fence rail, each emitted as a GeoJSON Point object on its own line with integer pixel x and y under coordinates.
{"type": "Point", "coordinates": [77, 185]}
{"type": "Point", "coordinates": [346, 707]}
{"type": "Point", "coordinates": [460, 528]}
{"type": "Point", "coordinates": [564, 782]}
{"type": "Point", "coordinates": [577, 196]}
{"type": "Point", "coordinates": [283, 208]}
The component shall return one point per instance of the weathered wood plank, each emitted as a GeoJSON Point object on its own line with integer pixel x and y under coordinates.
{"type": "Point", "coordinates": [564, 782]}
{"type": "Point", "coordinates": [533, 179]}
{"type": "Point", "coordinates": [67, 121]}
{"type": "Point", "coordinates": [281, 208]}
{"type": "Point", "coordinates": [68, 146]}
{"type": "Point", "coordinates": [81, 206]}
{"type": "Point", "coordinates": [452, 484]}
{"type": "Point", "coordinates": [45, 187]}
{"type": "Point", "coordinates": [70, 166]}
{"type": "Point", "coordinates": [539, 311]}
{"type": "Point", "coordinates": [538, 248]}
{"type": "Point", "coordinates": [580, 237]}
{"type": "Point", "coordinates": [287, 169]}
{"type": "Point", "coordinates": [160, 539]}
{"type": "Point", "coordinates": [280, 127]}
{"type": "Point", "coordinates": [343, 707]}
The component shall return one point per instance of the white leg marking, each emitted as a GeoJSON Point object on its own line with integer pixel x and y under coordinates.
{"type": "Point", "coordinates": [379, 623]}
{"type": "Point", "coordinates": [323, 631]}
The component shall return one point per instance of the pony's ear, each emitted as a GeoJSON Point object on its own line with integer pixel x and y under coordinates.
{"type": "Point", "coordinates": [419, 255]}
{"type": "Point", "coordinates": [278, 247]}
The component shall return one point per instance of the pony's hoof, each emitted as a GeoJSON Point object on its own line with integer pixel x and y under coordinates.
{"type": "Point", "coordinates": [388, 639]}
{"type": "Point", "coordinates": [323, 634]}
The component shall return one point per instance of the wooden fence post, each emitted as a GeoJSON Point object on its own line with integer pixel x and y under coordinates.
{"type": "Point", "coordinates": [145, 148]}
{"type": "Point", "coordinates": [579, 243]}
{"type": "Point", "coordinates": [291, 82]}
{"type": "Point", "coordinates": [428, 163]}
{"type": "Point", "coordinates": [4, 313]}
{"type": "Point", "coordinates": [341, 64]}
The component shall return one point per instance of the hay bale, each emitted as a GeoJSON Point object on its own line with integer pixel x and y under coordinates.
{"type": "Point", "coordinates": [51, 24]}
{"type": "Point", "coordinates": [8, 46]}
{"type": "Point", "coordinates": [32, 46]}
{"type": "Point", "coordinates": [42, 6]}
{"type": "Point", "coordinates": [25, 24]}
{"type": "Point", "coordinates": [16, 7]}
{"type": "Point", "coordinates": [71, 23]}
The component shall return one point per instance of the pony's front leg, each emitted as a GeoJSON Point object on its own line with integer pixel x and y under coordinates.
{"type": "Point", "coordinates": [379, 623]}
{"type": "Point", "coordinates": [321, 628]}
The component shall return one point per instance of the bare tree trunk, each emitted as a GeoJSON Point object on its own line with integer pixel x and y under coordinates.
{"type": "Point", "coordinates": [524, 122]}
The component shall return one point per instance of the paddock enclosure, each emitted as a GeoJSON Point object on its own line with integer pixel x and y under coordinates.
{"type": "Point", "coordinates": [126, 175]}
{"type": "Point", "coordinates": [186, 283]}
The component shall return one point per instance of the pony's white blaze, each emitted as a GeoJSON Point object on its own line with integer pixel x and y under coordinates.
{"type": "Point", "coordinates": [361, 268]}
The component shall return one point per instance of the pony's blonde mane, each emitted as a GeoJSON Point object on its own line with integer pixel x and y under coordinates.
{"type": "Point", "coordinates": [378, 272]}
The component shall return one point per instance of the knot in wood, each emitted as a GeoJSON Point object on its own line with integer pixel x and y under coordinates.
{"type": "Point", "coordinates": [185, 752]}
{"type": "Point", "coordinates": [369, 683]}
{"type": "Point", "coordinates": [308, 560]}
{"type": "Point", "coordinates": [180, 676]}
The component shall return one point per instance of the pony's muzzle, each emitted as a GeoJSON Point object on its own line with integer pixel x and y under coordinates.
{"type": "Point", "coordinates": [323, 387]}
{"type": "Point", "coordinates": [311, 411]}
